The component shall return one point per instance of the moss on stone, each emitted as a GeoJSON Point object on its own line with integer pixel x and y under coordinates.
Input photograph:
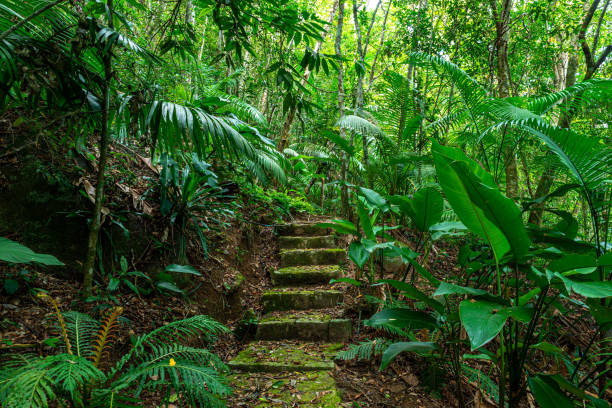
{"type": "Point", "coordinates": [320, 256]}
{"type": "Point", "coordinates": [299, 299]}
{"type": "Point", "coordinates": [258, 357]}
{"type": "Point", "coordinates": [326, 241]}
{"type": "Point", "coordinates": [300, 389]}
{"type": "Point", "coordinates": [312, 274]}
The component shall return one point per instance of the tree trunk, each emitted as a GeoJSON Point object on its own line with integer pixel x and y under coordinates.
{"type": "Point", "coordinates": [382, 41]}
{"type": "Point", "coordinates": [359, 90]}
{"type": "Point", "coordinates": [548, 176]}
{"type": "Point", "coordinates": [502, 28]}
{"type": "Point", "coordinates": [592, 64]}
{"type": "Point", "coordinates": [283, 141]}
{"type": "Point", "coordinates": [94, 226]}
{"type": "Point", "coordinates": [338, 50]}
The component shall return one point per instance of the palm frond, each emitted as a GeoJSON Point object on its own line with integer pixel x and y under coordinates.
{"type": "Point", "coordinates": [583, 94]}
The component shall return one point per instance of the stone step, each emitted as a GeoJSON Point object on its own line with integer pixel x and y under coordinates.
{"type": "Point", "coordinates": [312, 389]}
{"type": "Point", "coordinates": [305, 275]}
{"type": "Point", "coordinates": [295, 230]}
{"type": "Point", "coordinates": [275, 357]}
{"type": "Point", "coordinates": [296, 299]}
{"type": "Point", "coordinates": [314, 326]}
{"type": "Point", "coordinates": [325, 241]}
{"type": "Point", "coordinates": [321, 256]}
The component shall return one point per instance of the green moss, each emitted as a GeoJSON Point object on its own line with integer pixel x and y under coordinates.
{"type": "Point", "coordinates": [257, 357]}
{"type": "Point", "coordinates": [301, 389]}
{"type": "Point", "coordinates": [321, 256]}
{"type": "Point", "coordinates": [275, 300]}
{"type": "Point", "coordinates": [293, 317]}
{"type": "Point", "coordinates": [312, 274]}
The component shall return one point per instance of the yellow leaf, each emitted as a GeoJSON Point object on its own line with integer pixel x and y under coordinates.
{"type": "Point", "coordinates": [172, 362]}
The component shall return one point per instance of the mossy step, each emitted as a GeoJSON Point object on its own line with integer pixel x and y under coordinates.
{"type": "Point", "coordinates": [274, 357]}
{"type": "Point", "coordinates": [295, 230]}
{"type": "Point", "coordinates": [320, 327]}
{"type": "Point", "coordinates": [313, 389]}
{"type": "Point", "coordinates": [325, 241]}
{"type": "Point", "coordinates": [277, 299]}
{"type": "Point", "coordinates": [321, 256]}
{"type": "Point", "coordinates": [305, 275]}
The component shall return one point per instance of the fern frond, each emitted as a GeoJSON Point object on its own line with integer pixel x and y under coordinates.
{"type": "Point", "coordinates": [81, 328]}
{"type": "Point", "coordinates": [179, 352]}
{"type": "Point", "coordinates": [104, 334]}
{"type": "Point", "coordinates": [199, 384]}
{"type": "Point", "coordinates": [200, 325]}
{"type": "Point", "coordinates": [482, 381]}
{"type": "Point", "coordinates": [70, 372]}
{"type": "Point", "coordinates": [364, 350]}
{"type": "Point", "coordinates": [60, 319]}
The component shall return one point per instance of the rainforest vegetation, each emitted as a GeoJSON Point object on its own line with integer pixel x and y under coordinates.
{"type": "Point", "coordinates": [182, 182]}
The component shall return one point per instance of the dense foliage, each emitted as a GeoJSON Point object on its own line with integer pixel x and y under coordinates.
{"type": "Point", "coordinates": [481, 125]}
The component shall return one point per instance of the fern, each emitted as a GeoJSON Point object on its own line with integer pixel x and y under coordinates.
{"type": "Point", "coordinates": [157, 362]}
{"type": "Point", "coordinates": [81, 328]}
{"type": "Point", "coordinates": [484, 382]}
{"type": "Point", "coordinates": [364, 350]}
{"type": "Point", "coordinates": [104, 336]}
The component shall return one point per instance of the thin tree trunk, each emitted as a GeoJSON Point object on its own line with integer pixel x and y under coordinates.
{"type": "Point", "coordinates": [359, 90]}
{"type": "Point", "coordinates": [338, 50]}
{"type": "Point", "coordinates": [94, 227]}
{"type": "Point", "coordinates": [502, 26]}
{"type": "Point", "coordinates": [380, 46]}
{"type": "Point", "coordinates": [283, 141]}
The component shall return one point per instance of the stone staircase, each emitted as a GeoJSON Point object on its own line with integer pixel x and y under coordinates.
{"type": "Point", "coordinates": [289, 364]}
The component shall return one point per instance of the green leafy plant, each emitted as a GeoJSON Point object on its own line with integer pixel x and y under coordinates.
{"type": "Point", "coordinates": [191, 199]}
{"type": "Point", "coordinates": [80, 375]}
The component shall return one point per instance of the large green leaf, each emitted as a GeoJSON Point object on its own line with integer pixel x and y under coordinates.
{"type": "Point", "coordinates": [365, 221]}
{"type": "Point", "coordinates": [412, 292]}
{"type": "Point", "coordinates": [482, 320]}
{"type": "Point", "coordinates": [547, 393]}
{"type": "Point", "coordinates": [396, 348]}
{"type": "Point", "coordinates": [399, 318]}
{"type": "Point", "coordinates": [499, 209]}
{"type": "Point", "coordinates": [451, 289]}
{"type": "Point", "coordinates": [478, 202]}
{"type": "Point", "coordinates": [342, 226]}
{"type": "Point", "coordinates": [373, 198]}
{"type": "Point", "coordinates": [357, 253]}
{"type": "Point", "coordinates": [14, 252]}
{"type": "Point", "coordinates": [458, 197]}
{"type": "Point", "coordinates": [427, 205]}
{"type": "Point", "coordinates": [593, 289]}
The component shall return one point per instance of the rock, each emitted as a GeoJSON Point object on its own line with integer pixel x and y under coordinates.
{"type": "Point", "coordinates": [322, 256]}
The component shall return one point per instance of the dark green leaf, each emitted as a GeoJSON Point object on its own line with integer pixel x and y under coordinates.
{"type": "Point", "coordinates": [13, 252]}
{"type": "Point", "coordinates": [396, 348]}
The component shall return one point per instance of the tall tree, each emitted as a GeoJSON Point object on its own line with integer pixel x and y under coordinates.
{"type": "Point", "coordinates": [501, 18]}
{"type": "Point", "coordinates": [338, 50]}
{"type": "Point", "coordinates": [567, 79]}
{"type": "Point", "coordinates": [95, 223]}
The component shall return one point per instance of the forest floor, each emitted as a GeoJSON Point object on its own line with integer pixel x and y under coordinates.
{"type": "Point", "coordinates": [248, 248]}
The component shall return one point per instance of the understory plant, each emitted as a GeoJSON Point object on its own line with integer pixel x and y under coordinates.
{"type": "Point", "coordinates": [82, 376]}
{"type": "Point", "coordinates": [192, 200]}
{"type": "Point", "coordinates": [515, 283]}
